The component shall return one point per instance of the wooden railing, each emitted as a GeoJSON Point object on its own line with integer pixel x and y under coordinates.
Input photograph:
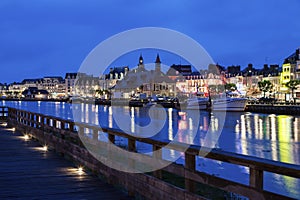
{"type": "Point", "coordinates": [65, 131]}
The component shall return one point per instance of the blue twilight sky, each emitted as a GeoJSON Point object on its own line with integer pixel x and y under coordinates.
{"type": "Point", "coordinates": [52, 37]}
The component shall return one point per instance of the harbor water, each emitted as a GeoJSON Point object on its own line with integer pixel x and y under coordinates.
{"type": "Point", "coordinates": [270, 136]}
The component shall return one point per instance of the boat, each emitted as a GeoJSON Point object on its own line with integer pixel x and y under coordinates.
{"type": "Point", "coordinates": [199, 102]}
{"type": "Point", "coordinates": [232, 101]}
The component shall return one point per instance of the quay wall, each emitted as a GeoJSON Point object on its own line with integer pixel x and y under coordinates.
{"type": "Point", "coordinates": [274, 109]}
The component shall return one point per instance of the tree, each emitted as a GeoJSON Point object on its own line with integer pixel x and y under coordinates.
{"type": "Point", "coordinates": [292, 85]}
{"type": "Point", "coordinates": [230, 87]}
{"type": "Point", "coordinates": [265, 86]}
{"type": "Point", "coordinates": [216, 88]}
{"type": "Point", "coordinates": [103, 92]}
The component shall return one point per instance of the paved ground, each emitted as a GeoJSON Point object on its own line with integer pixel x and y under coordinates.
{"type": "Point", "coordinates": [28, 172]}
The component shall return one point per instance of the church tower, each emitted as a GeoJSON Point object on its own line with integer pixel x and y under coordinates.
{"type": "Point", "coordinates": [157, 64]}
{"type": "Point", "coordinates": [141, 66]}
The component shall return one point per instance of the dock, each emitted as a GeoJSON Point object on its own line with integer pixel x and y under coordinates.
{"type": "Point", "coordinates": [27, 171]}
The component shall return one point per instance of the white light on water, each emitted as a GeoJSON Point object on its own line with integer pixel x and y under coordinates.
{"type": "Point", "coordinates": [80, 170]}
{"type": "Point", "coordinates": [77, 171]}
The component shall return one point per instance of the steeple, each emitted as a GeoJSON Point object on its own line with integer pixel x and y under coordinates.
{"type": "Point", "coordinates": [141, 60]}
{"type": "Point", "coordinates": [157, 59]}
{"type": "Point", "coordinates": [141, 66]}
{"type": "Point", "coordinates": [157, 64]}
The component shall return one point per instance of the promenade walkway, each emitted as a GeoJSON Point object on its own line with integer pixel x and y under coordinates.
{"type": "Point", "coordinates": [28, 172]}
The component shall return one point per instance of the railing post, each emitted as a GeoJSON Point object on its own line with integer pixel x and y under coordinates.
{"type": "Point", "coordinates": [25, 118]}
{"type": "Point", "coordinates": [132, 145]}
{"type": "Point", "coordinates": [32, 119]}
{"type": "Point", "coordinates": [20, 113]}
{"type": "Point", "coordinates": [25, 115]}
{"type": "Point", "coordinates": [80, 130]}
{"type": "Point", "coordinates": [47, 121]}
{"type": "Point", "coordinates": [256, 178]}
{"type": "Point", "coordinates": [62, 125]}
{"type": "Point", "coordinates": [95, 134]}
{"type": "Point", "coordinates": [71, 126]}
{"type": "Point", "coordinates": [29, 118]}
{"type": "Point", "coordinates": [190, 164]}
{"type": "Point", "coordinates": [54, 123]}
{"type": "Point", "coordinates": [42, 122]}
{"type": "Point", "coordinates": [157, 155]}
{"type": "Point", "coordinates": [111, 138]}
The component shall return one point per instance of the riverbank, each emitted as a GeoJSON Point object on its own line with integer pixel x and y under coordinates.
{"type": "Point", "coordinates": [274, 109]}
{"type": "Point", "coordinates": [115, 102]}
{"type": "Point", "coordinates": [28, 99]}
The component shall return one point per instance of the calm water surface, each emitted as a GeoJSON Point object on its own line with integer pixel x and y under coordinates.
{"type": "Point", "coordinates": [269, 136]}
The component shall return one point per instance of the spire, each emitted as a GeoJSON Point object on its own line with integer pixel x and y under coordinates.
{"type": "Point", "coordinates": [157, 59]}
{"type": "Point", "coordinates": [157, 64]}
{"type": "Point", "coordinates": [141, 60]}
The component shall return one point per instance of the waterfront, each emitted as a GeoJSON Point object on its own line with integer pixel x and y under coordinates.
{"type": "Point", "coordinates": [273, 137]}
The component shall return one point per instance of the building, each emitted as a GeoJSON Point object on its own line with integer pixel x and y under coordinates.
{"type": "Point", "coordinates": [143, 81]}
{"type": "Point", "coordinates": [55, 85]}
{"type": "Point", "coordinates": [85, 85]}
{"type": "Point", "coordinates": [109, 80]}
{"type": "Point", "coordinates": [37, 82]}
{"type": "Point", "coordinates": [275, 80]}
{"type": "Point", "coordinates": [290, 71]}
{"type": "Point", "coordinates": [70, 79]}
{"type": "Point", "coordinates": [16, 89]}
{"type": "Point", "coordinates": [190, 82]}
{"type": "Point", "coordinates": [187, 81]}
{"type": "Point", "coordinates": [183, 70]}
{"type": "Point", "coordinates": [3, 90]}
{"type": "Point", "coordinates": [117, 73]}
{"type": "Point", "coordinates": [233, 70]}
{"type": "Point", "coordinates": [273, 70]}
{"type": "Point", "coordinates": [35, 93]}
{"type": "Point", "coordinates": [286, 75]}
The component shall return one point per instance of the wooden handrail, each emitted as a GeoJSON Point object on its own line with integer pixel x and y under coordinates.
{"type": "Point", "coordinates": [257, 166]}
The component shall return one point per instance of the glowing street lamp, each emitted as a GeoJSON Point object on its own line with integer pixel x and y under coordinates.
{"type": "Point", "coordinates": [26, 137]}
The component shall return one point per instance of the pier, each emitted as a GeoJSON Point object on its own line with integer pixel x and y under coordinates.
{"type": "Point", "coordinates": [30, 171]}
{"type": "Point", "coordinates": [63, 136]}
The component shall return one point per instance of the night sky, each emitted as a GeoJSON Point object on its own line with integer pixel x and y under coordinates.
{"type": "Point", "coordinates": [50, 37]}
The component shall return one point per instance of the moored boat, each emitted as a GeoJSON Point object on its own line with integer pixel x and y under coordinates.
{"type": "Point", "coordinates": [233, 101]}
{"type": "Point", "coordinates": [199, 103]}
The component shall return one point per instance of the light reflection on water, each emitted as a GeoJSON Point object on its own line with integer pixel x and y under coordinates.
{"type": "Point", "coordinates": [269, 136]}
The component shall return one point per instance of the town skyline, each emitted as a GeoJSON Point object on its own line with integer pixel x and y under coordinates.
{"type": "Point", "coordinates": [149, 59]}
